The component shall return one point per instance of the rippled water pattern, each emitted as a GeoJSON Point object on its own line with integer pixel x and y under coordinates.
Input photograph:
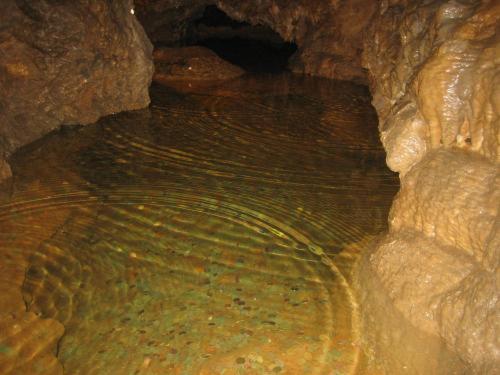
{"type": "Point", "coordinates": [213, 233]}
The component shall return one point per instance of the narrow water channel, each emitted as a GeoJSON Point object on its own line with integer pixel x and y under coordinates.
{"type": "Point", "coordinates": [212, 233]}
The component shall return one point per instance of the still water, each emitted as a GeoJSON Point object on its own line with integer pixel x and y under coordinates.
{"type": "Point", "coordinates": [212, 233]}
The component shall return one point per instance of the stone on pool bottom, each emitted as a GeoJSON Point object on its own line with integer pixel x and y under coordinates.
{"type": "Point", "coordinates": [214, 232]}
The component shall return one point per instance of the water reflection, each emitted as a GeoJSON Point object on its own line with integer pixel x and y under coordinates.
{"type": "Point", "coordinates": [211, 233]}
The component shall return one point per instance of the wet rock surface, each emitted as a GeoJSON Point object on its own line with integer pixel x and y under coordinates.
{"type": "Point", "coordinates": [451, 196]}
{"type": "Point", "coordinates": [67, 63]}
{"type": "Point", "coordinates": [192, 63]}
{"type": "Point", "coordinates": [434, 77]}
{"type": "Point", "coordinates": [329, 34]}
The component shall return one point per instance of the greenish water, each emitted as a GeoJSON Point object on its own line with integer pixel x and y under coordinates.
{"type": "Point", "coordinates": [212, 233]}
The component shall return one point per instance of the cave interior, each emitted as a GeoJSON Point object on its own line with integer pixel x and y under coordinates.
{"type": "Point", "coordinates": [259, 187]}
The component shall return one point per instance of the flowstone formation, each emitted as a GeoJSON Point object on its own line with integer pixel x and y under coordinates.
{"type": "Point", "coordinates": [67, 62]}
{"type": "Point", "coordinates": [435, 79]}
{"type": "Point", "coordinates": [329, 34]}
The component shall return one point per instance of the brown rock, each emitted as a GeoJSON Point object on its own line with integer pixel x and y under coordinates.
{"type": "Point", "coordinates": [69, 63]}
{"type": "Point", "coordinates": [192, 63]}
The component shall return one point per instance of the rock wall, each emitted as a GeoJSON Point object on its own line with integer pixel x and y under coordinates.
{"type": "Point", "coordinates": [67, 62]}
{"type": "Point", "coordinates": [329, 34]}
{"type": "Point", "coordinates": [435, 78]}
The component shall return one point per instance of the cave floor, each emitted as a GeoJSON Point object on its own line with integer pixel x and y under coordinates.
{"type": "Point", "coordinates": [212, 233]}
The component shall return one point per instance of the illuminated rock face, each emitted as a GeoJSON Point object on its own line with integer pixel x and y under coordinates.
{"type": "Point", "coordinates": [434, 73]}
{"type": "Point", "coordinates": [69, 63]}
{"type": "Point", "coordinates": [329, 34]}
{"type": "Point", "coordinates": [434, 79]}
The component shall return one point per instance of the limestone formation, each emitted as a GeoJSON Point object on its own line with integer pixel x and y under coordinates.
{"type": "Point", "coordinates": [434, 76]}
{"type": "Point", "coordinates": [67, 62]}
{"type": "Point", "coordinates": [451, 196]}
{"type": "Point", "coordinates": [192, 63]}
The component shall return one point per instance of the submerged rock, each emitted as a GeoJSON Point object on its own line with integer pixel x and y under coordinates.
{"type": "Point", "coordinates": [192, 63]}
{"type": "Point", "coordinates": [31, 341]}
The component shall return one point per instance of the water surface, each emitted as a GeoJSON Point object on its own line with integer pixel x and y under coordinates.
{"type": "Point", "coordinates": [212, 233]}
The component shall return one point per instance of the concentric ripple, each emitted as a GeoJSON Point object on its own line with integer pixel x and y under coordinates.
{"type": "Point", "coordinates": [214, 232]}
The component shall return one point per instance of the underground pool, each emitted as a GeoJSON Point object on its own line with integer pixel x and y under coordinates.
{"type": "Point", "coordinates": [214, 232]}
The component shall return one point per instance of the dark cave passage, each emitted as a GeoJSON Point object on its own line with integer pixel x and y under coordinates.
{"type": "Point", "coordinates": [255, 48]}
{"type": "Point", "coordinates": [252, 55]}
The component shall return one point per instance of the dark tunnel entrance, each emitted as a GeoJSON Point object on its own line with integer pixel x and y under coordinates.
{"type": "Point", "coordinates": [257, 49]}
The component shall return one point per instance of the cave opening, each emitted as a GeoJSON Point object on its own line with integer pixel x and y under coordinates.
{"type": "Point", "coordinates": [255, 48]}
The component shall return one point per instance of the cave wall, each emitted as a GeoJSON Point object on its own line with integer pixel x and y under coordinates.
{"type": "Point", "coordinates": [329, 34]}
{"type": "Point", "coordinates": [435, 78]}
{"type": "Point", "coordinates": [67, 62]}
